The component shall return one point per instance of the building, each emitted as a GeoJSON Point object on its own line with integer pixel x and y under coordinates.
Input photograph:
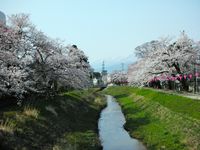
{"type": "Point", "coordinates": [2, 18]}
{"type": "Point", "coordinates": [97, 79]}
{"type": "Point", "coordinates": [100, 79]}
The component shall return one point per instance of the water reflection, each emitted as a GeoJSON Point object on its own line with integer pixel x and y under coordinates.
{"type": "Point", "coordinates": [112, 134]}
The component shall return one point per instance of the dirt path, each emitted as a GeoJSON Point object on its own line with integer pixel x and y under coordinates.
{"type": "Point", "coordinates": [184, 94]}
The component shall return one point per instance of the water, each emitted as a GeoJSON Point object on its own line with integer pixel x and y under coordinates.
{"type": "Point", "coordinates": [112, 134]}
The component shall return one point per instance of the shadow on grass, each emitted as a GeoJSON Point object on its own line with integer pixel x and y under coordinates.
{"type": "Point", "coordinates": [135, 123]}
{"type": "Point", "coordinates": [135, 117]}
{"type": "Point", "coordinates": [74, 115]}
{"type": "Point", "coordinates": [121, 96]}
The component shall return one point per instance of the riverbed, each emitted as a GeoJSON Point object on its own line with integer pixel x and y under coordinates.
{"type": "Point", "coordinates": [112, 134]}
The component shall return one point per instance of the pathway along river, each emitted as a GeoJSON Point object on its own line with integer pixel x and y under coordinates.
{"type": "Point", "coordinates": [112, 134]}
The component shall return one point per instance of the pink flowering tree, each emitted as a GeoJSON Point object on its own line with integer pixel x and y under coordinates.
{"type": "Point", "coordinates": [33, 63]}
{"type": "Point", "coordinates": [163, 57]}
{"type": "Point", "coordinates": [119, 78]}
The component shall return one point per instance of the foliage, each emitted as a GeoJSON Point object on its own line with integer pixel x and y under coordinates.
{"type": "Point", "coordinates": [7, 126]}
{"type": "Point", "coordinates": [31, 112]}
{"type": "Point", "coordinates": [31, 62]}
{"type": "Point", "coordinates": [163, 58]}
{"type": "Point", "coordinates": [119, 78]}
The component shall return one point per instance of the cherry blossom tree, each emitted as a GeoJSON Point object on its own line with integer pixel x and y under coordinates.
{"type": "Point", "coordinates": [163, 58]}
{"type": "Point", "coordinates": [13, 70]}
{"type": "Point", "coordinates": [31, 62]}
{"type": "Point", "coordinates": [119, 78]}
{"type": "Point", "coordinates": [81, 67]}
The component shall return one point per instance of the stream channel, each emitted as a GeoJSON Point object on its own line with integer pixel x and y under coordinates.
{"type": "Point", "coordinates": [112, 134]}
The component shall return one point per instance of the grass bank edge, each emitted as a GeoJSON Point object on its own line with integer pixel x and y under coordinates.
{"type": "Point", "coordinates": [154, 118]}
{"type": "Point", "coordinates": [69, 121]}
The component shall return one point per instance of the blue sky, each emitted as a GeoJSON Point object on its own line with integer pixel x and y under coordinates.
{"type": "Point", "coordinates": [110, 29]}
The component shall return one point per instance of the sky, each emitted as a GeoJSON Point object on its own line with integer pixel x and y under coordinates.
{"type": "Point", "coordinates": [109, 30]}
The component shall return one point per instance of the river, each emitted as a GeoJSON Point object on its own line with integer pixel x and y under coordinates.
{"type": "Point", "coordinates": [112, 134]}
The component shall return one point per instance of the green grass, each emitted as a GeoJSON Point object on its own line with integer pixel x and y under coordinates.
{"type": "Point", "coordinates": [69, 121]}
{"type": "Point", "coordinates": [160, 120]}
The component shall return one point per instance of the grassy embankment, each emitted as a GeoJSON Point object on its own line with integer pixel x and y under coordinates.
{"type": "Point", "coordinates": [67, 122]}
{"type": "Point", "coordinates": [160, 120]}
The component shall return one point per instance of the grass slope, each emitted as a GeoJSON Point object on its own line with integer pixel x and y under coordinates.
{"type": "Point", "coordinates": [160, 120]}
{"type": "Point", "coordinates": [67, 122]}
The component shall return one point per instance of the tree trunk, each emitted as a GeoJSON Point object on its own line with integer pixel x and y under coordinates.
{"type": "Point", "coordinates": [184, 84]}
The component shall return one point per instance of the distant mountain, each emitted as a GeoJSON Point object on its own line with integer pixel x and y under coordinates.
{"type": "Point", "coordinates": [114, 63]}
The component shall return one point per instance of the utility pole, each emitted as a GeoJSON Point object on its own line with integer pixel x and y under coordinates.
{"type": "Point", "coordinates": [103, 66]}
{"type": "Point", "coordinates": [122, 65]}
{"type": "Point", "coordinates": [104, 74]}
